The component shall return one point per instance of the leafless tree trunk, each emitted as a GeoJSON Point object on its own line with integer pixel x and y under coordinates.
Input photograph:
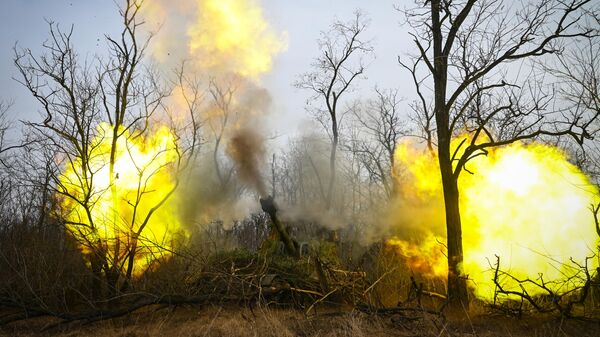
{"type": "Point", "coordinates": [219, 121]}
{"type": "Point", "coordinates": [465, 49]}
{"type": "Point", "coordinates": [77, 99]}
{"type": "Point", "coordinates": [381, 122]}
{"type": "Point", "coordinates": [334, 71]}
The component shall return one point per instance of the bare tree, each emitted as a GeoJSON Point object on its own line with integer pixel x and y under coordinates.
{"type": "Point", "coordinates": [422, 111]}
{"type": "Point", "coordinates": [189, 88]}
{"type": "Point", "coordinates": [334, 72]}
{"type": "Point", "coordinates": [6, 180]}
{"type": "Point", "coordinates": [576, 76]}
{"type": "Point", "coordinates": [293, 187]}
{"type": "Point", "coordinates": [86, 106]}
{"type": "Point", "coordinates": [223, 113]}
{"type": "Point", "coordinates": [467, 53]}
{"type": "Point", "coordinates": [382, 124]}
{"type": "Point", "coordinates": [4, 108]}
{"type": "Point", "coordinates": [4, 125]}
{"type": "Point", "coordinates": [129, 100]}
{"type": "Point", "coordinates": [68, 96]}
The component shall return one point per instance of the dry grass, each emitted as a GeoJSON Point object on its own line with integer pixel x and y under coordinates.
{"type": "Point", "coordinates": [234, 321]}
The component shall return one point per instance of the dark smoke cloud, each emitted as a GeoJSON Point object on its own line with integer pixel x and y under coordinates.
{"type": "Point", "coordinates": [247, 150]}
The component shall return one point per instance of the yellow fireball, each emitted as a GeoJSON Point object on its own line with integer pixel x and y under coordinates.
{"type": "Point", "coordinates": [524, 203]}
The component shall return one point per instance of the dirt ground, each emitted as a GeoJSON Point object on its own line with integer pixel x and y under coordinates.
{"type": "Point", "coordinates": [235, 321]}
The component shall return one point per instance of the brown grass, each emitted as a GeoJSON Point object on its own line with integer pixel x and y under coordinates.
{"type": "Point", "coordinates": [235, 321]}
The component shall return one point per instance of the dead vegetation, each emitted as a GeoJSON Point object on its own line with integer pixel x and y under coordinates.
{"type": "Point", "coordinates": [240, 292]}
{"type": "Point", "coordinates": [253, 278]}
{"type": "Point", "coordinates": [195, 321]}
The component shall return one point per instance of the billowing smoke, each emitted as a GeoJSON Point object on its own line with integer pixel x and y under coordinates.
{"type": "Point", "coordinates": [247, 150]}
{"type": "Point", "coordinates": [216, 37]}
{"type": "Point", "coordinates": [225, 46]}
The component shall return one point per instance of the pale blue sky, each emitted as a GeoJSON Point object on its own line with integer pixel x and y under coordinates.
{"type": "Point", "coordinates": [23, 21]}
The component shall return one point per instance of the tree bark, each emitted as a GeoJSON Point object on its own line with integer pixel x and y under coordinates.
{"type": "Point", "coordinates": [332, 165]}
{"type": "Point", "coordinates": [457, 287]}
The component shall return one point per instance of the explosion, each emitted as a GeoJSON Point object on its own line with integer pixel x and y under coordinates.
{"type": "Point", "coordinates": [130, 210]}
{"type": "Point", "coordinates": [524, 203]}
{"type": "Point", "coordinates": [227, 45]}
{"type": "Point", "coordinates": [135, 205]}
{"type": "Point", "coordinates": [233, 30]}
{"type": "Point", "coordinates": [217, 36]}
{"type": "Point", "coordinates": [426, 259]}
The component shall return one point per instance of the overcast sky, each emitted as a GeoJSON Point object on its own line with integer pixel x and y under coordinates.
{"type": "Point", "coordinates": [24, 22]}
